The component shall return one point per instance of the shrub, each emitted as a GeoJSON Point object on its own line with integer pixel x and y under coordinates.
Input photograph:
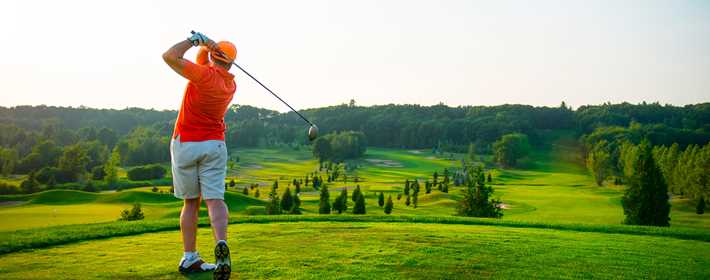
{"type": "Point", "coordinates": [700, 209]}
{"type": "Point", "coordinates": [381, 199]}
{"type": "Point", "coordinates": [90, 187]}
{"type": "Point", "coordinates": [98, 173]}
{"type": "Point", "coordinates": [154, 189]}
{"type": "Point", "coordinates": [287, 200]}
{"type": "Point", "coordinates": [132, 215]}
{"type": "Point", "coordinates": [147, 172]}
{"type": "Point", "coordinates": [255, 210]}
{"type": "Point", "coordinates": [6, 188]}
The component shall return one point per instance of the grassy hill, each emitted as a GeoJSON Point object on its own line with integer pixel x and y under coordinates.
{"type": "Point", "coordinates": [557, 224]}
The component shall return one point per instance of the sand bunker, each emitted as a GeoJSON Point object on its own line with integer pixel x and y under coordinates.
{"type": "Point", "coordinates": [384, 162]}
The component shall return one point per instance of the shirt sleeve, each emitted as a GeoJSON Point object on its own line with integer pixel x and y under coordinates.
{"type": "Point", "coordinates": [202, 56]}
{"type": "Point", "coordinates": [194, 72]}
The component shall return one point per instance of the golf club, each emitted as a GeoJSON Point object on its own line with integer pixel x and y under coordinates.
{"type": "Point", "coordinates": [312, 130]}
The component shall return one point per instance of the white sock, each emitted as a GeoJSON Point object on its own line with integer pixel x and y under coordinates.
{"type": "Point", "coordinates": [189, 255]}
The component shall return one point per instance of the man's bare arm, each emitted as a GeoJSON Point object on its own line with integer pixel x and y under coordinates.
{"type": "Point", "coordinates": [174, 56]}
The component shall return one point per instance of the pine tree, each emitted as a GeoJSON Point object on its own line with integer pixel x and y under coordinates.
{"type": "Point", "coordinates": [232, 183]}
{"type": "Point", "coordinates": [427, 186]}
{"type": "Point", "coordinates": [359, 207]}
{"type": "Point", "coordinates": [399, 196]}
{"type": "Point", "coordinates": [245, 191]}
{"type": "Point", "coordinates": [357, 192]}
{"type": "Point", "coordinates": [276, 185]}
{"type": "Point", "coordinates": [490, 179]}
{"type": "Point", "coordinates": [256, 194]}
{"type": "Point", "coordinates": [477, 201]}
{"type": "Point", "coordinates": [700, 209]}
{"type": "Point", "coordinates": [645, 201]}
{"type": "Point", "coordinates": [324, 206]}
{"type": "Point", "coordinates": [296, 208]}
{"type": "Point", "coordinates": [381, 199]}
{"type": "Point", "coordinates": [274, 206]}
{"type": "Point", "coordinates": [415, 199]}
{"type": "Point", "coordinates": [406, 187]}
{"type": "Point", "coordinates": [436, 178]}
{"type": "Point", "coordinates": [287, 200]}
{"type": "Point", "coordinates": [445, 188]}
{"type": "Point", "coordinates": [389, 205]}
{"type": "Point", "coordinates": [341, 202]}
{"type": "Point", "coordinates": [408, 201]}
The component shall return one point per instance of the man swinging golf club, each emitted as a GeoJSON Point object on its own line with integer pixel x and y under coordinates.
{"type": "Point", "coordinates": [197, 149]}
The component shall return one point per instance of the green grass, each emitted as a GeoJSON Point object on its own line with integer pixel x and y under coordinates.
{"type": "Point", "coordinates": [65, 207]}
{"type": "Point", "coordinates": [331, 250]}
{"type": "Point", "coordinates": [13, 241]}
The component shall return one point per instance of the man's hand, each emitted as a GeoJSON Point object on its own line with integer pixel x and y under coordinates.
{"type": "Point", "coordinates": [198, 39]}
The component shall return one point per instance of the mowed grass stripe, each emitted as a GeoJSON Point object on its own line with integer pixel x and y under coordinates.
{"type": "Point", "coordinates": [331, 250]}
{"type": "Point", "coordinates": [50, 236]}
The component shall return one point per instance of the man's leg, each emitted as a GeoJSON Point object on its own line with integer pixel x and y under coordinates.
{"type": "Point", "coordinates": [188, 224]}
{"type": "Point", "coordinates": [218, 218]}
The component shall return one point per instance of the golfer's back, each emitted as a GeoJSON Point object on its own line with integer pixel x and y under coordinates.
{"type": "Point", "coordinates": [206, 99]}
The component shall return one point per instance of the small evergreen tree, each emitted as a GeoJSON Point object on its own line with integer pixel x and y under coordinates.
{"type": "Point", "coordinates": [399, 196]}
{"type": "Point", "coordinates": [427, 185]}
{"type": "Point", "coordinates": [445, 188]}
{"type": "Point", "coordinates": [245, 191]}
{"type": "Point", "coordinates": [296, 208]}
{"type": "Point", "coordinates": [324, 206]}
{"type": "Point", "coordinates": [381, 199]}
{"type": "Point", "coordinates": [287, 200]}
{"type": "Point", "coordinates": [476, 197]}
{"type": "Point", "coordinates": [406, 187]}
{"type": "Point", "coordinates": [359, 207]}
{"type": "Point", "coordinates": [415, 199]}
{"type": "Point", "coordinates": [232, 183]}
{"type": "Point", "coordinates": [274, 206]}
{"type": "Point", "coordinates": [357, 192]}
{"type": "Point", "coordinates": [256, 194]}
{"type": "Point", "coordinates": [645, 201]}
{"type": "Point", "coordinates": [408, 201]}
{"type": "Point", "coordinates": [436, 178]}
{"type": "Point", "coordinates": [700, 209]}
{"type": "Point", "coordinates": [389, 205]}
{"type": "Point", "coordinates": [490, 179]}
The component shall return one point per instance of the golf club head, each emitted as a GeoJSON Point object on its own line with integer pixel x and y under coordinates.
{"type": "Point", "coordinates": [312, 132]}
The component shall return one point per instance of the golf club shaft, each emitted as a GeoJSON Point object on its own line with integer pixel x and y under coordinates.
{"type": "Point", "coordinates": [262, 85]}
{"type": "Point", "coordinates": [272, 93]}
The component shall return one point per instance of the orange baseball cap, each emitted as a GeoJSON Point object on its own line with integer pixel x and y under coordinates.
{"type": "Point", "coordinates": [228, 49]}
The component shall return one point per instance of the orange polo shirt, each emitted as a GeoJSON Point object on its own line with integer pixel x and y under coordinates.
{"type": "Point", "coordinates": [207, 97]}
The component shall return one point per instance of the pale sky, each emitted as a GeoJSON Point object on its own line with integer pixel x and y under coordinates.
{"type": "Point", "coordinates": [107, 54]}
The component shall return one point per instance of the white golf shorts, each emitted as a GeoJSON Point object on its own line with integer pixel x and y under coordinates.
{"type": "Point", "coordinates": [199, 168]}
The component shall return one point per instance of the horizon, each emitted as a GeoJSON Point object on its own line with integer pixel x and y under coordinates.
{"type": "Point", "coordinates": [457, 52]}
{"type": "Point", "coordinates": [370, 105]}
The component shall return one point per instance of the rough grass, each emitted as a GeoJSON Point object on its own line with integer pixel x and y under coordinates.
{"type": "Point", "coordinates": [331, 250]}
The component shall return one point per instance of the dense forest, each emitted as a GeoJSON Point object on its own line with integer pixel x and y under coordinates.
{"type": "Point", "coordinates": [74, 141]}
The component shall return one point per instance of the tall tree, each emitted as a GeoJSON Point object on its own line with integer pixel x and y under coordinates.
{"type": "Point", "coordinates": [111, 168]}
{"type": "Point", "coordinates": [296, 208]}
{"type": "Point", "coordinates": [598, 162]}
{"type": "Point", "coordinates": [645, 201]}
{"type": "Point", "coordinates": [73, 162]}
{"type": "Point", "coordinates": [472, 153]}
{"type": "Point", "coordinates": [381, 199]}
{"type": "Point", "coordinates": [510, 148]}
